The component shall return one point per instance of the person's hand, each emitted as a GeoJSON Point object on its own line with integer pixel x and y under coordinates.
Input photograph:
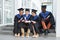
{"type": "Point", "coordinates": [33, 21]}
{"type": "Point", "coordinates": [26, 22]}
{"type": "Point", "coordinates": [18, 21]}
{"type": "Point", "coordinates": [23, 20]}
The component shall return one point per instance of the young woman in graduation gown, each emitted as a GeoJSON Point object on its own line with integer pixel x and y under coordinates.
{"type": "Point", "coordinates": [26, 22]}
{"type": "Point", "coordinates": [18, 22]}
{"type": "Point", "coordinates": [34, 23]}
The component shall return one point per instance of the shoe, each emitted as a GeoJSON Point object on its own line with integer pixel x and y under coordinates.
{"type": "Point", "coordinates": [46, 32]}
{"type": "Point", "coordinates": [27, 35]}
{"type": "Point", "coordinates": [22, 35]}
{"type": "Point", "coordinates": [37, 35]}
{"type": "Point", "coordinates": [16, 35]}
{"type": "Point", "coordinates": [33, 36]}
{"type": "Point", "coordinates": [28, 32]}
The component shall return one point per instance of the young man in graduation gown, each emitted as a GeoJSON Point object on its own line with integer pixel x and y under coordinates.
{"type": "Point", "coordinates": [26, 27]}
{"type": "Point", "coordinates": [46, 19]}
{"type": "Point", "coordinates": [34, 23]}
{"type": "Point", "coordinates": [18, 22]}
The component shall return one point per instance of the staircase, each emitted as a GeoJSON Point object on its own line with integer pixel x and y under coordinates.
{"type": "Point", "coordinates": [6, 30]}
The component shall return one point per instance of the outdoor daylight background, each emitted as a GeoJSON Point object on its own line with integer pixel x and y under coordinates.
{"type": "Point", "coordinates": [8, 9]}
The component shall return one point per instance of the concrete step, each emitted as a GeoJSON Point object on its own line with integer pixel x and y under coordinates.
{"type": "Point", "coordinates": [9, 30]}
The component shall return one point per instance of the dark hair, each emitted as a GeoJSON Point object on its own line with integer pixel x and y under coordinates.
{"type": "Point", "coordinates": [43, 6]}
{"type": "Point", "coordinates": [27, 9]}
{"type": "Point", "coordinates": [20, 9]}
{"type": "Point", "coordinates": [33, 10]}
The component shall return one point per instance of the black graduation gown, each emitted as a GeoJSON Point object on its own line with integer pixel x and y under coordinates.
{"type": "Point", "coordinates": [36, 25]}
{"type": "Point", "coordinates": [50, 19]}
{"type": "Point", "coordinates": [26, 25]}
{"type": "Point", "coordinates": [17, 26]}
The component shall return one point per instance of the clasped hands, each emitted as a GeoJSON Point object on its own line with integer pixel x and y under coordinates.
{"type": "Point", "coordinates": [26, 21]}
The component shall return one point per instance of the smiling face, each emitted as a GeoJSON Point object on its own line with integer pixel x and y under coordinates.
{"type": "Point", "coordinates": [26, 12]}
{"type": "Point", "coordinates": [33, 14]}
{"type": "Point", "coordinates": [21, 12]}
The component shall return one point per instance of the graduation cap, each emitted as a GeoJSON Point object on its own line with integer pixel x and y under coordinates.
{"type": "Point", "coordinates": [43, 6]}
{"type": "Point", "coordinates": [27, 9]}
{"type": "Point", "coordinates": [33, 10]}
{"type": "Point", "coordinates": [20, 9]}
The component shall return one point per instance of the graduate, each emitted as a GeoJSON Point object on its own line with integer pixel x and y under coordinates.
{"type": "Point", "coordinates": [34, 23]}
{"type": "Point", "coordinates": [46, 19]}
{"type": "Point", "coordinates": [26, 27]}
{"type": "Point", "coordinates": [18, 22]}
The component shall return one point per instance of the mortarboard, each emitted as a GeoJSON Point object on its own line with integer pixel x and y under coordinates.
{"type": "Point", "coordinates": [33, 10]}
{"type": "Point", "coordinates": [20, 9]}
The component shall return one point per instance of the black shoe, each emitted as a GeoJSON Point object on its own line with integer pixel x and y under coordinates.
{"type": "Point", "coordinates": [46, 32]}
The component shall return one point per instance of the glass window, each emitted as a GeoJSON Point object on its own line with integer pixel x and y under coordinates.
{"type": "Point", "coordinates": [1, 11]}
{"type": "Point", "coordinates": [26, 3]}
{"type": "Point", "coordinates": [49, 4]}
{"type": "Point", "coordinates": [9, 11]}
{"type": "Point", "coordinates": [37, 4]}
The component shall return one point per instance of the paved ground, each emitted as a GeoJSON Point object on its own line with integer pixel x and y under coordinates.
{"type": "Point", "coordinates": [11, 37]}
{"type": "Point", "coordinates": [42, 37]}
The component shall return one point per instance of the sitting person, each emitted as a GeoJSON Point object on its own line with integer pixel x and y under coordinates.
{"type": "Point", "coordinates": [26, 22]}
{"type": "Point", "coordinates": [34, 23]}
{"type": "Point", "coordinates": [18, 22]}
{"type": "Point", "coordinates": [46, 19]}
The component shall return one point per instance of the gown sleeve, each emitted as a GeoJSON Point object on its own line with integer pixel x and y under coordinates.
{"type": "Point", "coordinates": [40, 18]}
{"type": "Point", "coordinates": [15, 21]}
{"type": "Point", "coordinates": [52, 21]}
{"type": "Point", "coordinates": [37, 20]}
{"type": "Point", "coordinates": [15, 24]}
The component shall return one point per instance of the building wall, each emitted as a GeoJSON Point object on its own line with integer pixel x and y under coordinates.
{"type": "Point", "coordinates": [57, 8]}
{"type": "Point", "coordinates": [1, 11]}
{"type": "Point", "coordinates": [7, 12]}
{"type": "Point", "coordinates": [9, 8]}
